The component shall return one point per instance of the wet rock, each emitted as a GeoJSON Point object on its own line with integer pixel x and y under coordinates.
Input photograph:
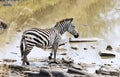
{"type": "Point", "coordinates": [75, 71]}
{"type": "Point", "coordinates": [13, 53]}
{"type": "Point", "coordinates": [63, 53]}
{"type": "Point", "coordinates": [82, 76]}
{"type": "Point", "coordinates": [58, 74]}
{"type": "Point", "coordinates": [54, 63]}
{"type": "Point", "coordinates": [45, 73]}
{"type": "Point", "coordinates": [18, 68]}
{"type": "Point", "coordinates": [112, 61]}
{"type": "Point", "coordinates": [85, 48]}
{"type": "Point", "coordinates": [108, 70]}
{"type": "Point", "coordinates": [74, 40]}
{"type": "Point", "coordinates": [31, 74]}
{"type": "Point", "coordinates": [67, 61]}
{"type": "Point", "coordinates": [107, 53]}
{"type": "Point", "coordinates": [109, 47]}
{"type": "Point", "coordinates": [93, 47]}
{"type": "Point", "coordinates": [79, 72]}
{"type": "Point", "coordinates": [75, 48]}
{"type": "Point", "coordinates": [107, 64]}
{"type": "Point", "coordinates": [86, 65]}
{"type": "Point", "coordinates": [94, 63]}
{"type": "Point", "coordinates": [45, 67]}
{"type": "Point", "coordinates": [75, 66]}
{"type": "Point", "coordinates": [9, 60]}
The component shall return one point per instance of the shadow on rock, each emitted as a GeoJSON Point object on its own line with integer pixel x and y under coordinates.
{"type": "Point", "coordinates": [46, 73]}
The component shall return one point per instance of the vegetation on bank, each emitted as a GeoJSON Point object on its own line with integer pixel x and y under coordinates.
{"type": "Point", "coordinates": [25, 14]}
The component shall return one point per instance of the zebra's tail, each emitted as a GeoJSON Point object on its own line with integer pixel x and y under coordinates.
{"type": "Point", "coordinates": [22, 46]}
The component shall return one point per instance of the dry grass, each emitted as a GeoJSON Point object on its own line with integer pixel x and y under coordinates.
{"type": "Point", "coordinates": [3, 70]}
{"type": "Point", "coordinates": [44, 13]}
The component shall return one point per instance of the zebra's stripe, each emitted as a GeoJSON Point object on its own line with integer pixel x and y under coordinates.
{"type": "Point", "coordinates": [42, 33]}
{"type": "Point", "coordinates": [39, 35]}
{"type": "Point", "coordinates": [45, 31]}
{"type": "Point", "coordinates": [29, 41]}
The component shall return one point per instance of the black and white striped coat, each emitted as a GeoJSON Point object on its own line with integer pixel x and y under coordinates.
{"type": "Point", "coordinates": [45, 38]}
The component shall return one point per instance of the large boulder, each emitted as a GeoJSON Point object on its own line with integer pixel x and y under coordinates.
{"type": "Point", "coordinates": [108, 70]}
{"type": "Point", "coordinates": [80, 73]}
{"type": "Point", "coordinates": [45, 73]}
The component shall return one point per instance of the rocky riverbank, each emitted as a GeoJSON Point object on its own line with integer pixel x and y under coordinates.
{"type": "Point", "coordinates": [64, 68]}
{"type": "Point", "coordinates": [84, 59]}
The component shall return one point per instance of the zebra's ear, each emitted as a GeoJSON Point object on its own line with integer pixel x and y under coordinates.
{"type": "Point", "coordinates": [70, 19]}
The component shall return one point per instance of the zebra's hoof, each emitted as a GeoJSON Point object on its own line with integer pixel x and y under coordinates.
{"type": "Point", "coordinates": [50, 57]}
{"type": "Point", "coordinates": [53, 62]}
{"type": "Point", "coordinates": [56, 62]}
{"type": "Point", "coordinates": [27, 63]}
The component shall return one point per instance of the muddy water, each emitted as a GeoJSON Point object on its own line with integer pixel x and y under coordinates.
{"type": "Point", "coordinates": [88, 52]}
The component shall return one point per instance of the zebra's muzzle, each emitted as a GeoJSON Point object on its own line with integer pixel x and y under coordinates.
{"type": "Point", "coordinates": [76, 36]}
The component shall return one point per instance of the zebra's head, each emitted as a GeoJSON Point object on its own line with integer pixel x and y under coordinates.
{"type": "Point", "coordinates": [71, 28]}
{"type": "Point", "coordinates": [66, 25]}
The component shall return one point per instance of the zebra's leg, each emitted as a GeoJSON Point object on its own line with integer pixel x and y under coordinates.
{"type": "Point", "coordinates": [55, 47]}
{"type": "Point", "coordinates": [25, 60]}
{"type": "Point", "coordinates": [50, 57]}
{"type": "Point", "coordinates": [25, 53]}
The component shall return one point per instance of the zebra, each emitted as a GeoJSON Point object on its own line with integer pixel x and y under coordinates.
{"type": "Point", "coordinates": [45, 38]}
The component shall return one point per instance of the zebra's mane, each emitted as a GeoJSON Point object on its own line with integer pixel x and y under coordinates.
{"type": "Point", "coordinates": [67, 19]}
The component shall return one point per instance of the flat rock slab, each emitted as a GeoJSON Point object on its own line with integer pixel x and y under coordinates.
{"type": "Point", "coordinates": [75, 71]}
{"type": "Point", "coordinates": [77, 40]}
{"type": "Point", "coordinates": [76, 66]}
{"type": "Point", "coordinates": [9, 60]}
{"type": "Point", "coordinates": [81, 73]}
{"type": "Point", "coordinates": [66, 68]}
{"type": "Point", "coordinates": [86, 65]}
{"type": "Point", "coordinates": [108, 70]}
{"type": "Point", "coordinates": [45, 73]}
{"type": "Point", "coordinates": [107, 53]}
{"type": "Point", "coordinates": [67, 61]}
{"type": "Point", "coordinates": [18, 68]}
